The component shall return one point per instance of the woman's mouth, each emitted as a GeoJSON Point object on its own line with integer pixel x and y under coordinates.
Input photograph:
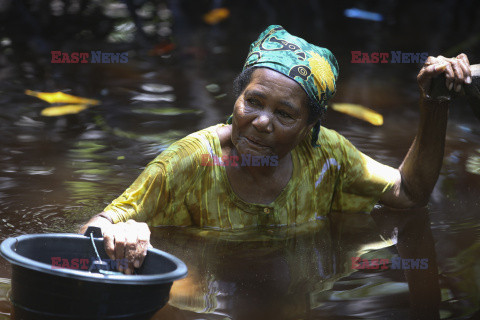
{"type": "Point", "coordinates": [256, 142]}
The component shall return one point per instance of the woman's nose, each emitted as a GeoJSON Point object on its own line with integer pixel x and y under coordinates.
{"type": "Point", "coordinates": [263, 122]}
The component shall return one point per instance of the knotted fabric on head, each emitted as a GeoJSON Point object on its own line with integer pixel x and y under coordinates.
{"type": "Point", "coordinates": [314, 68]}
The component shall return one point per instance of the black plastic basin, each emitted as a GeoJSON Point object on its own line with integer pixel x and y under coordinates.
{"type": "Point", "coordinates": [42, 289]}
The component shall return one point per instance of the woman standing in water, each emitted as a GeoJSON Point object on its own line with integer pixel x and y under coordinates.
{"type": "Point", "coordinates": [282, 95]}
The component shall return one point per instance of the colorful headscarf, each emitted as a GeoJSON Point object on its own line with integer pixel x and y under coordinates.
{"type": "Point", "coordinates": [314, 68]}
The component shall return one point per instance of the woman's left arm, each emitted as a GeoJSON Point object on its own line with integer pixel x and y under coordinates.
{"type": "Point", "coordinates": [417, 175]}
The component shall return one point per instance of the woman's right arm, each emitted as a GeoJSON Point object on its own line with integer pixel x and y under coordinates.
{"type": "Point", "coordinates": [167, 179]}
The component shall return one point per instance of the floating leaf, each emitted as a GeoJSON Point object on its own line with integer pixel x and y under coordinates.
{"type": "Point", "coordinates": [63, 110]}
{"type": "Point", "coordinates": [60, 97]}
{"type": "Point", "coordinates": [359, 112]}
{"type": "Point", "coordinates": [216, 15]}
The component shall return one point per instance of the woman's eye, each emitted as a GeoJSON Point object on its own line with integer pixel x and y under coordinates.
{"type": "Point", "coordinates": [284, 114]}
{"type": "Point", "coordinates": [253, 102]}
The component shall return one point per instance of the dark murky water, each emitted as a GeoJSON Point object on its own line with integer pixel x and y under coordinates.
{"type": "Point", "coordinates": [57, 172]}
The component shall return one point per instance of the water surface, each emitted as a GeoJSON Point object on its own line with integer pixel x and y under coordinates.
{"type": "Point", "coordinates": [57, 172]}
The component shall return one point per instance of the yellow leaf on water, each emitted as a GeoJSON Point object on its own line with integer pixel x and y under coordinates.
{"type": "Point", "coordinates": [60, 97]}
{"type": "Point", "coordinates": [63, 110]}
{"type": "Point", "coordinates": [359, 112]}
{"type": "Point", "coordinates": [216, 15]}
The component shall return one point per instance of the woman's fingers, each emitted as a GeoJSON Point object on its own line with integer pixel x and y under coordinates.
{"type": "Point", "coordinates": [465, 65]}
{"type": "Point", "coordinates": [137, 244]}
{"type": "Point", "coordinates": [449, 75]}
{"type": "Point", "coordinates": [130, 244]}
{"type": "Point", "coordinates": [127, 242]}
{"type": "Point", "coordinates": [463, 56]}
{"type": "Point", "coordinates": [142, 245]}
{"type": "Point", "coordinates": [458, 77]}
{"type": "Point", "coordinates": [120, 240]}
{"type": "Point", "coordinates": [457, 72]}
{"type": "Point", "coordinates": [432, 68]}
{"type": "Point", "coordinates": [109, 242]}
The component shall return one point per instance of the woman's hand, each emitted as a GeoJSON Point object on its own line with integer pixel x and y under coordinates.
{"type": "Point", "coordinates": [457, 72]}
{"type": "Point", "coordinates": [127, 240]}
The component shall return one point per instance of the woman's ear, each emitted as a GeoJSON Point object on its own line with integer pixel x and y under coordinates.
{"type": "Point", "coordinates": [313, 123]}
{"type": "Point", "coordinates": [310, 126]}
{"type": "Point", "coordinates": [316, 133]}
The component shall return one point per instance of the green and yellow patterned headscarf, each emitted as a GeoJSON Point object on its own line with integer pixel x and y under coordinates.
{"type": "Point", "coordinates": [314, 68]}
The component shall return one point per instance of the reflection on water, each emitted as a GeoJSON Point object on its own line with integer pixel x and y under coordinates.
{"type": "Point", "coordinates": [306, 272]}
{"type": "Point", "coordinates": [57, 172]}
{"type": "Point", "coordinates": [473, 163]}
{"type": "Point", "coordinates": [277, 273]}
{"type": "Point", "coordinates": [5, 285]}
{"type": "Point", "coordinates": [251, 274]}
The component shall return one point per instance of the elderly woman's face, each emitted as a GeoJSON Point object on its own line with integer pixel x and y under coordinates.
{"type": "Point", "coordinates": [270, 116]}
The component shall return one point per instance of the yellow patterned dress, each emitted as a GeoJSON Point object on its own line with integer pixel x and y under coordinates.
{"type": "Point", "coordinates": [176, 189]}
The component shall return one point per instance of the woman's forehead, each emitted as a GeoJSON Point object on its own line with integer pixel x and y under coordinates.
{"type": "Point", "coordinates": [265, 79]}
